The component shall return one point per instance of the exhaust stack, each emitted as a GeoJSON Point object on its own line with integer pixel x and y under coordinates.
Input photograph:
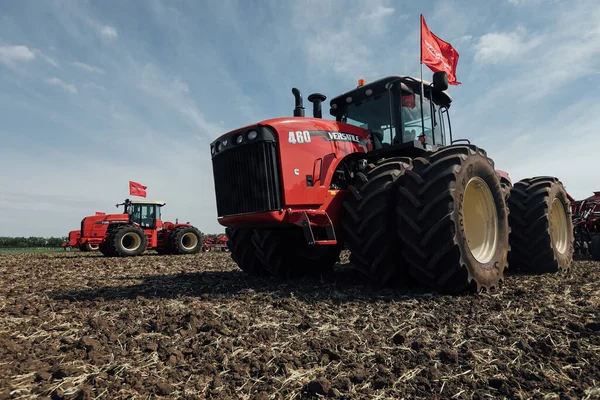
{"type": "Point", "coordinates": [317, 99]}
{"type": "Point", "coordinates": [299, 109]}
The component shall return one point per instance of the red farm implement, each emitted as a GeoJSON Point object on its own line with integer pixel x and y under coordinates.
{"type": "Point", "coordinates": [214, 243]}
{"type": "Point", "coordinates": [74, 241]}
{"type": "Point", "coordinates": [586, 226]}
{"type": "Point", "coordinates": [137, 229]}
{"type": "Point", "coordinates": [386, 180]}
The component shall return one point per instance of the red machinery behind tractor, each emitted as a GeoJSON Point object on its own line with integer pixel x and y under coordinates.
{"type": "Point", "coordinates": [586, 225]}
{"type": "Point", "coordinates": [219, 242]}
{"type": "Point", "coordinates": [73, 241]}
{"type": "Point", "coordinates": [137, 229]}
{"type": "Point", "coordinates": [387, 181]}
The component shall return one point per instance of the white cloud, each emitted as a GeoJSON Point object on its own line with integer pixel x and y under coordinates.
{"type": "Point", "coordinates": [69, 87]}
{"type": "Point", "coordinates": [88, 68]}
{"type": "Point", "coordinates": [105, 31]}
{"type": "Point", "coordinates": [108, 32]}
{"type": "Point", "coordinates": [495, 47]}
{"type": "Point", "coordinates": [44, 57]}
{"type": "Point", "coordinates": [10, 55]}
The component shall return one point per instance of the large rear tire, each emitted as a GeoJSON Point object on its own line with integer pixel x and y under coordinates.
{"type": "Point", "coordinates": [284, 252]}
{"type": "Point", "coordinates": [541, 238]}
{"type": "Point", "coordinates": [368, 224]}
{"type": "Point", "coordinates": [243, 251]}
{"type": "Point", "coordinates": [452, 219]}
{"type": "Point", "coordinates": [185, 240]}
{"type": "Point", "coordinates": [127, 241]}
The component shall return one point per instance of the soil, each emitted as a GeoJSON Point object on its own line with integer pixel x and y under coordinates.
{"type": "Point", "coordinates": [81, 326]}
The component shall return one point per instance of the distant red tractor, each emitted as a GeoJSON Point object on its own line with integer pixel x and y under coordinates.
{"type": "Point", "coordinates": [137, 229]}
{"type": "Point", "coordinates": [219, 242]}
{"type": "Point", "coordinates": [386, 180]}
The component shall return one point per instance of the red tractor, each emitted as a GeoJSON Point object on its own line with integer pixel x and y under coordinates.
{"type": "Point", "coordinates": [137, 229]}
{"type": "Point", "coordinates": [219, 242]}
{"type": "Point", "coordinates": [386, 180]}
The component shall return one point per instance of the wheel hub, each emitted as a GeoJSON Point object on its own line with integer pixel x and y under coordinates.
{"type": "Point", "coordinates": [559, 226]}
{"type": "Point", "coordinates": [189, 241]}
{"type": "Point", "coordinates": [480, 220]}
{"type": "Point", "coordinates": [131, 241]}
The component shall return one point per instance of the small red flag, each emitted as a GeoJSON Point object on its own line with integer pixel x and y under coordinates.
{"type": "Point", "coordinates": [136, 189]}
{"type": "Point", "coordinates": [437, 54]}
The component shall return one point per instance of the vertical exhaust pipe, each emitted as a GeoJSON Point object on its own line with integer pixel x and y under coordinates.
{"type": "Point", "coordinates": [299, 109]}
{"type": "Point", "coordinates": [317, 99]}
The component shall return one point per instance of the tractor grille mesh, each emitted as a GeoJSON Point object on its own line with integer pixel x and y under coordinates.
{"type": "Point", "coordinates": [247, 179]}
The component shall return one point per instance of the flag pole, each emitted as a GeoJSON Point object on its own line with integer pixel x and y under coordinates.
{"type": "Point", "coordinates": [422, 90]}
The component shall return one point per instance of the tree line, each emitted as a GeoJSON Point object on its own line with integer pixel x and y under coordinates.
{"type": "Point", "coordinates": [33, 241]}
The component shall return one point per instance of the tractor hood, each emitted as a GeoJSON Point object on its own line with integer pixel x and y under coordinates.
{"type": "Point", "coordinates": [285, 129]}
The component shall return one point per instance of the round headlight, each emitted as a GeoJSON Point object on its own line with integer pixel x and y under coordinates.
{"type": "Point", "coordinates": [218, 146]}
{"type": "Point", "coordinates": [212, 150]}
{"type": "Point", "coordinates": [239, 139]}
{"type": "Point", "coordinates": [252, 135]}
{"type": "Point", "coordinates": [369, 92]}
{"type": "Point", "coordinates": [348, 100]}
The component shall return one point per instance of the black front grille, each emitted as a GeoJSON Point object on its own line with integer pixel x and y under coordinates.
{"type": "Point", "coordinates": [247, 179]}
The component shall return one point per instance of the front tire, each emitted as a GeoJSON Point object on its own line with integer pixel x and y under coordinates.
{"type": "Point", "coordinates": [127, 241]}
{"type": "Point", "coordinates": [284, 252]}
{"type": "Point", "coordinates": [542, 228]}
{"type": "Point", "coordinates": [368, 225]}
{"type": "Point", "coordinates": [243, 252]}
{"type": "Point", "coordinates": [453, 220]}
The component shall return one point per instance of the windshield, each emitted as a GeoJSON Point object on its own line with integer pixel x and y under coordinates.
{"type": "Point", "coordinates": [144, 214]}
{"type": "Point", "coordinates": [411, 118]}
{"type": "Point", "coordinates": [373, 114]}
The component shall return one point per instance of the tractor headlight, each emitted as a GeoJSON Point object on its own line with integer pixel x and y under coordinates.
{"type": "Point", "coordinates": [239, 139]}
{"type": "Point", "coordinates": [212, 150]}
{"type": "Point", "coordinates": [218, 146]}
{"type": "Point", "coordinates": [252, 135]}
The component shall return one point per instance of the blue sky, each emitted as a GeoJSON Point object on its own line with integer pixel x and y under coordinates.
{"type": "Point", "coordinates": [96, 93]}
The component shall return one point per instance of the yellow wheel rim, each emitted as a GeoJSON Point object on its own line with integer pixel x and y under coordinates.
{"type": "Point", "coordinates": [559, 227]}
{"type": "Point", "coordinates": [480, 220]}
{"type": "Point", "coordinates": [189, 241]}
{"type": "Point", "coordinates": [131, 241]}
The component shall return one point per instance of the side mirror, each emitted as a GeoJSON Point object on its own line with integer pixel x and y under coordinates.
{"type": "Point", "coordinates": [440, 80]}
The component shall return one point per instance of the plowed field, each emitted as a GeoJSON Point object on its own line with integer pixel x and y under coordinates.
{"type": "Point", "coordinates": [84, 326]}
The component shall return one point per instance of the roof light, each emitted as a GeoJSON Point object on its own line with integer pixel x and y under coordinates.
{"type": "Point", "coordinates": [361, 82]}
{"type": "Point", "coordinates": [369, 92]}
{"type": "Point", "coordinates": [252, 135]}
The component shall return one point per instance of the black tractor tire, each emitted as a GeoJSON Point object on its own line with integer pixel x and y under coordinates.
{"type": "Point", "coordinates": [185, 240]}
{"type": "Point", "coordinates": [243, 252]}
{"type": "Point", "coordinates": [595, 247]}
{"type": "Point", "coordinates": [368, 224]}
{"type": "Point", "coordinates": [536, 206]}
{"type": "Point", "coordinates": [285, 253]}
{"type": "Point", "coordinates": [84, 248]}
{"type": "Point", "coordinates": [127, 241]}
{"type": "Point", "coordinates": [445, 205]}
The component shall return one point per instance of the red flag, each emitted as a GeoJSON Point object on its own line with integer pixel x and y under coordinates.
{"type": "Point", "coordinates": [136, 189]}
{"type": "Point", "coordinates": [437, 54]}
